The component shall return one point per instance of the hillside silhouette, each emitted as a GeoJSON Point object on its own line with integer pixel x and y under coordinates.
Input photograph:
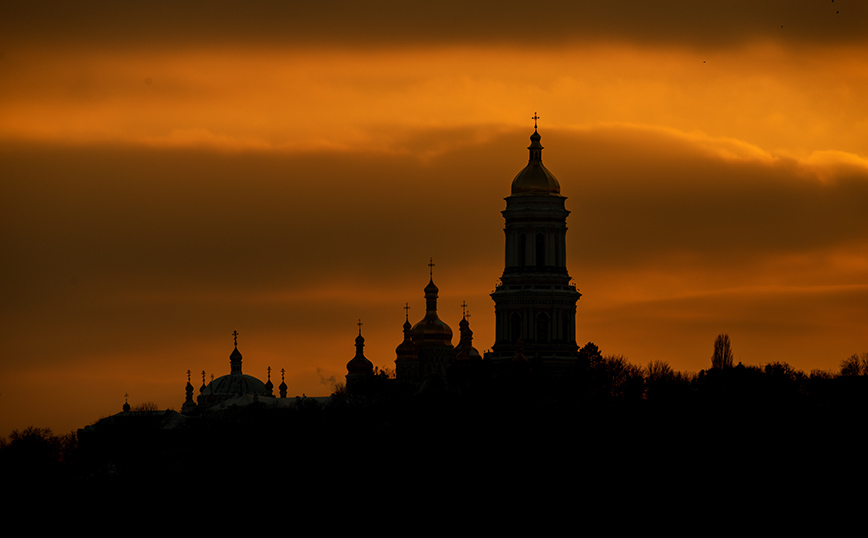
{"type": "Point", "coordinates": [604, 420]}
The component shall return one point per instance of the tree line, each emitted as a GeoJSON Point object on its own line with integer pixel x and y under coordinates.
{"type": "Point", "coordinates": [606, 402]}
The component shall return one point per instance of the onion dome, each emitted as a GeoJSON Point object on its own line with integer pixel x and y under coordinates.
{"type": "Point", "coordinates": [189, 388]}
{"type": "Point", "coordinates": [282, 388]}
{"type": "Point", "coordinates": [407, 349]}
{"type": "Point", "coordinates": [432, 329]}
{"type": "Point", "coordinates": [269, 386]}
{"type": "Point", "coordinates": [359, 365]}
{"type": "Point", "coordinates": [465, 350]}
{"type": "Point", "coordinates": [189, 405]}
{"type": "Point", "coordinates": [235, 384]}
{"type": "Point", "coordinates": [535, 179]}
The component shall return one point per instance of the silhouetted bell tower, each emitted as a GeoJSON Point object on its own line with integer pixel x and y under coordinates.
{"type": "Point", "coordinates": [534, 303]}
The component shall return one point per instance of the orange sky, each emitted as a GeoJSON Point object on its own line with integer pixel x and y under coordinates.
{"type": "Point", "coordinates": [172, 174]}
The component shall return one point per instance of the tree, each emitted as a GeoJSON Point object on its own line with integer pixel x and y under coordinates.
{"type": "Point", "coordinates": [852, 365]}
{"type": "Point", "coordinates": [617, 378]}
{"type": "Point", "coordinates": [659, 372]}
{"type": "Point", "coordinates": [722, 357]}
{"type": "Point", "coordinates": [589, 355]}
{"type": "Point", "coordinates": [146, 407]}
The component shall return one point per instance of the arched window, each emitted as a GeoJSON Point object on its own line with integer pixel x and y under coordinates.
{"type": "Point", "coordinates": [514, 327]}
{"type": "Point", "coordinates": [540, 250]}
{"type": "Point", "coordinates": [568, 330]}
{"type": "Point", "coordinates": [542, 327]}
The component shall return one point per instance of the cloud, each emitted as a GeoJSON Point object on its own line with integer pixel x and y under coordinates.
{"type": "Point", "coordinates": [387, 23]}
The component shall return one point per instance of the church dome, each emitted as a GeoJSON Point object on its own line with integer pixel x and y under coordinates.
{"type": "Point", "coordinates": [359, 364]}
{"type": "Point", "coordinates": [236, 384]}
{"type": "Point", "coordinates": [233, 385]}
{"type": "Point", "coordinates": [535, 179]}
{"type": "Point", "coordinates": [407, 347]}
{"type": "Point", "coordinates": [431, 329]}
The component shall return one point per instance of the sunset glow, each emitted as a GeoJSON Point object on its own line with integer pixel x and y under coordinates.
{"type": "Point", "coordinates": [284, 173]}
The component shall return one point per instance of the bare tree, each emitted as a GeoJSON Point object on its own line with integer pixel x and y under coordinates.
{"type": "Point", "coordinates": [722, 357]}
{"type": "Point", "coordinates": [659, 372]}
{"type": "Point", "coordinates": [146, 406]}
{"type": "Point", "coordinates": [852, 365]}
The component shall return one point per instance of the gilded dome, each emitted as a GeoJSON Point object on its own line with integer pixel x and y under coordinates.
{"type": "Point", "coordinates": [431, 328]}
{"type": "Point", "coordinates": [535, 179]}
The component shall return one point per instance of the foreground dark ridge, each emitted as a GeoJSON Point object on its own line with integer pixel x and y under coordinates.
{"type": "Point", "coordinates": [595, 421]}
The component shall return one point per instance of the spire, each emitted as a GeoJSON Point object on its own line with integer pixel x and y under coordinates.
{"type": "Point", "coordinates": [360, 365]}
{"type": "Point", "coordinates": [189, 388]}
{"type": "Point", "coordinates": [535, 179]}
{"type": "Point", "coordinates": [189, 405]}
{"type": "Point", "coordinates": [235, 357]}
{"type": "Point", "coordinates": [269, 386]}
{"type": "Point", "coordinates": [406, 349]}
{"type": "Point", "coordinates": [282, 386]}
{"type": "Point", "coordinates": [535, 147]}
{"type": "Point", "coordinates": [431, 290]}
{"type": "Point", "coordinates": [465, 350]}
{"type": "Point", "coordinates": [431, 328]}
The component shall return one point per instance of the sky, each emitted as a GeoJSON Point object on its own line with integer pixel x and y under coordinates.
{"type": "Point", "coordinates": [174, 172]}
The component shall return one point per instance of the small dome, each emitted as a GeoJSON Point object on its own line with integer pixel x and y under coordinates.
{"type": "Point", "coordinates": [535, 179]}
{"type": "Point", "coordinates": [407, 347]}
{"type": "Point", "coordinates": [465, 350]}
{"type": "Point", "coordinates": [359, 364]}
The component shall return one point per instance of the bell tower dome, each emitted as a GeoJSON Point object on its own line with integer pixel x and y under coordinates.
{"type": "Point", "coordinates": [535, 303]}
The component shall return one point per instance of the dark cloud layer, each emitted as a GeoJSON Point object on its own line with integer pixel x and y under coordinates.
{"type": "Point", "coordinates": [387, 23]}
{"type": "Point", "coordinates": [165, 221]}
